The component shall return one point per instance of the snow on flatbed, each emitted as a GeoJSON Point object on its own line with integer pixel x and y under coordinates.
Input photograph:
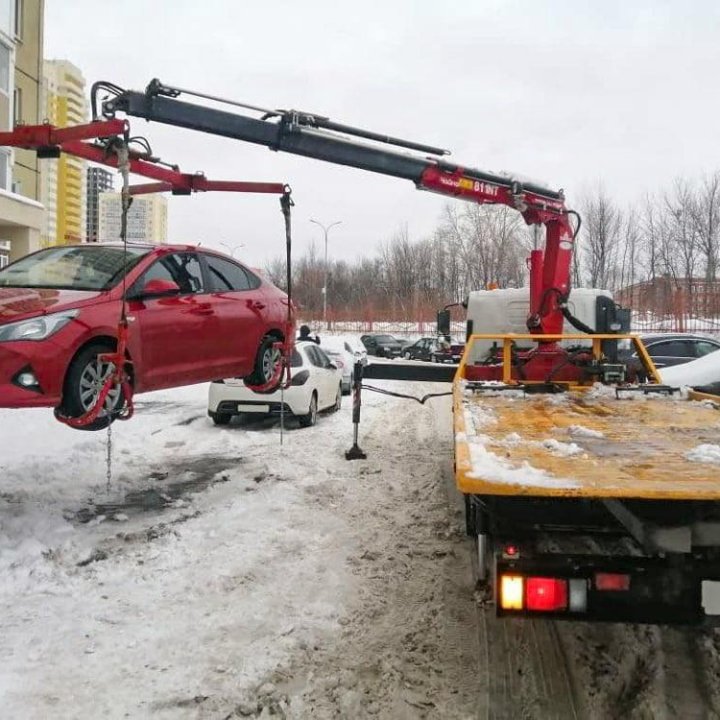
{"type": "Point", "coordinates": [588, 444]}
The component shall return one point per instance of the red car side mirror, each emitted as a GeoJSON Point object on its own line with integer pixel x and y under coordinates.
{"type": "Point", "coordinates": [157, 287]}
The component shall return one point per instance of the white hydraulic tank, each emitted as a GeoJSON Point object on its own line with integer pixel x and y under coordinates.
{"type": "Point", "coordinates": [502, 312]}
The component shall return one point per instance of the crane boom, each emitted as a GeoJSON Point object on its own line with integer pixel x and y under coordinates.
{"type": "Point", "coordinates": [317, 137]}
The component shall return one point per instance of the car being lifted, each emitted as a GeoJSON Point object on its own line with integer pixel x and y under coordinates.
{"type": "Point", "coordinates": [194, 316]}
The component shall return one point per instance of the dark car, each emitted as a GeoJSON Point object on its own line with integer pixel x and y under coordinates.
{"type": "Point", "coordinates": [421, 349]}
{"type": "Point", "coordinates": [194, 315]}
{"type": "Point", "coordinates": [669, 349]}
{"type": "Point", "coordinates": [382, 345]}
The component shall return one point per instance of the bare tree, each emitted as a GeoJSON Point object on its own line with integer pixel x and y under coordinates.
{"type": "Point", "coordinates": [600, 232]}
{"type": "Point", "coordinates": [706, 218]}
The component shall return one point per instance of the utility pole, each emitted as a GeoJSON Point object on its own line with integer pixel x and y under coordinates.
{"type": "Point", "coordinates": [324, 290]}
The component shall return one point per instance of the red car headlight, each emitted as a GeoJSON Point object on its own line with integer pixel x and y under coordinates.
{"type": "Point", "coordinates": [38, 328]}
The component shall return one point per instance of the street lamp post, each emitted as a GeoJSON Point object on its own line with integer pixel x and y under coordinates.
{"type": "Point", "coordinates": [324, 290]}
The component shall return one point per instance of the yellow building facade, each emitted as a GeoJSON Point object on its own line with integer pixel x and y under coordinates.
{"type": "Point", "coordinates": [63, 180]}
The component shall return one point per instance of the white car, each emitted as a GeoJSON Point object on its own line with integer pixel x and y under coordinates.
{"type": "Point", "coordinates": [343, 356]}
{"type": "Point", "coordinates": [316, 385]}
{"type": "Point", "coordinates": [344, 365]}
{"type": "Point", "coordinates": [350, 344]}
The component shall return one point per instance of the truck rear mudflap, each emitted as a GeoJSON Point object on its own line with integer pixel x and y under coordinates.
{"type": "Point", "coordinates": [671, 589]}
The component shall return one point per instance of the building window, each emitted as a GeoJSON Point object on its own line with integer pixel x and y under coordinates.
{"type": "Point", "coordinates": [4, 68]}
{"type": "Point", "coordinates": [4, 168]}
{"type": "Point", "coordinates": [19, 12]}
{"type": "Point", "coordinates": [4, 261]}
{"type": "Point", "coordinates": [17, 106]}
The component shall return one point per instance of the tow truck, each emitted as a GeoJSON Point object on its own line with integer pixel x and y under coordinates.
{"type": "Point", "coordinates": [587, 496]}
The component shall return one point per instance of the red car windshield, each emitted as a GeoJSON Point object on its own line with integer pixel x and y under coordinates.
{"type": "Point", "coordinates": [91, 267]}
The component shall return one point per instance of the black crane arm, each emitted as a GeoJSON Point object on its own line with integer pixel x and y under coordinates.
{"type": "Point", "coordinates": [317, 137]}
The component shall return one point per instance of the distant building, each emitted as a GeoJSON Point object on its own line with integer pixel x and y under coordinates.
{"type": "Point", "coordinates": [63, 180]}
{"type": "Point", "coordinates": [21, 50]}
{"type": "Point", "coordinates": [99, 181]}
{"type": "Point", "coordinates": [665, 295]}
{"type": "Point", "coordinates": [147, 218]}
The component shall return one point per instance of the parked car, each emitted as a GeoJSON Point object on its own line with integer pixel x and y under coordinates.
{"type": "Point", "coordinates": [316, 385]}
{"type": "Point", "coordinates": [448, 351]}
{"type": "Point", "coordinates": [350, 344]}
{"type": "Point", "coordinates": [421, 349]}
{"type": "Point", "coordinates": [194, 315]}
{"type": "Point", "coordinates": [668, 349]}
{"type": "Point", "coordinates": [338, 351]}
{"type": "Point", "coordinates": [381, 345]}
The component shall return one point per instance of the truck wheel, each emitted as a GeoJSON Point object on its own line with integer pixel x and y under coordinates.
{"type": "Point", "coordinates": [311, 418]}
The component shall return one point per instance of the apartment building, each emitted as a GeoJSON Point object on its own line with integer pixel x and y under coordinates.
{"type": "Point", "coordinates": [147, 218]}
{"type": "Point", "coordinates": [63, 180]}
{"type": "Point", "coordinates": [99, 181]}
{"type": "Point", "coordinates": [21, 49]}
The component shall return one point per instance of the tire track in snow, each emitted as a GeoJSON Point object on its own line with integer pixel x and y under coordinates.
{"type": "Point", "coordinates": [686, 695]}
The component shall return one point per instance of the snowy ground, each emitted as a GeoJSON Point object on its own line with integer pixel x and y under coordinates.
{"type": "Point", "coordinates": [221, 575]}
{"type": "Point", "coordinates": [217, 564]}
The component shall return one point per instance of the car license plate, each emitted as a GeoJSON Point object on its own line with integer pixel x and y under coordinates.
{"type": "Point", "coordinates": [711, 597]}
{"type": "Point", "coordinates": [253, 408]}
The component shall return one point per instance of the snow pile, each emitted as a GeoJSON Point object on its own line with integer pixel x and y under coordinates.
{"type": "Point", "coordinates": [489, 466]}
{"type": "Point", "coordinates": [703, 371]}
{"type": "Point", "coordinates": [560, 448]}
{"type": "Point", "coordinates": [583, 432]}
{"type": "Point", "coordinates": [704, 453]}
{"type": "Point", "coordinates": [492, 468]}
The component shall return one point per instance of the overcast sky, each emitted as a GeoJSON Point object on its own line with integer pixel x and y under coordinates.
{"type": "Point", "coordinates": [574, 93]}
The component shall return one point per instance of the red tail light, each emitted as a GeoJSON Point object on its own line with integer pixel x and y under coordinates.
{"type": "Point", "coordinates": [546, 594]}
{"type": "Point", "coordinates": [612, 581]}
{"type": "Point", "coordinates": [300, 378]}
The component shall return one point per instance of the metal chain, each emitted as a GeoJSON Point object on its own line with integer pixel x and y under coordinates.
{"type": "Point", "coordinates": [123, 155]}
{"type": "Point", "coordinates": [109, 457]}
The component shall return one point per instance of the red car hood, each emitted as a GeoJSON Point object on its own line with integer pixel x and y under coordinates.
{"type": "Point", "coordinates": [21, 303]}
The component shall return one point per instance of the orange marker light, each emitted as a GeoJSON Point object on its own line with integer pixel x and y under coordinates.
{"type": "Point", "coordinates": [511, 592]}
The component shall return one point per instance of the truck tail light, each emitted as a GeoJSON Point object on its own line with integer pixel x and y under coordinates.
{"type": "Point", "coordinates": [300, 378]}
{"type": "Point", "coordinates": [511, 592]}
{"type": "Point", "coordinates": [612, 581]}
{"type": "Point", "coordinates": [546, 594]}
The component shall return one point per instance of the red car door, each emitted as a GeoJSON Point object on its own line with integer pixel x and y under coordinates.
{"type": "Point", "coordinates": [241, 306]}
{"type": "Point", "coordinates": [178, 331]}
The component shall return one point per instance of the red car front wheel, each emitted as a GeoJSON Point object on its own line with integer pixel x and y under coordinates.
{"type": "Point", "coordinates": [83, 382]}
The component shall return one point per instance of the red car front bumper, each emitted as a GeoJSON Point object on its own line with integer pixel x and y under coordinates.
{"type": "Point", "coordinates": [46, 359]}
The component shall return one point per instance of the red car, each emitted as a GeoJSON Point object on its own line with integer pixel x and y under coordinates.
{"type": "Point", "coordinates": [194, 316]}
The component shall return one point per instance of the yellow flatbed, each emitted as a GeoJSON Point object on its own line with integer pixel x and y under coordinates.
{"type": "Point", "coordinates": [585, 442]}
